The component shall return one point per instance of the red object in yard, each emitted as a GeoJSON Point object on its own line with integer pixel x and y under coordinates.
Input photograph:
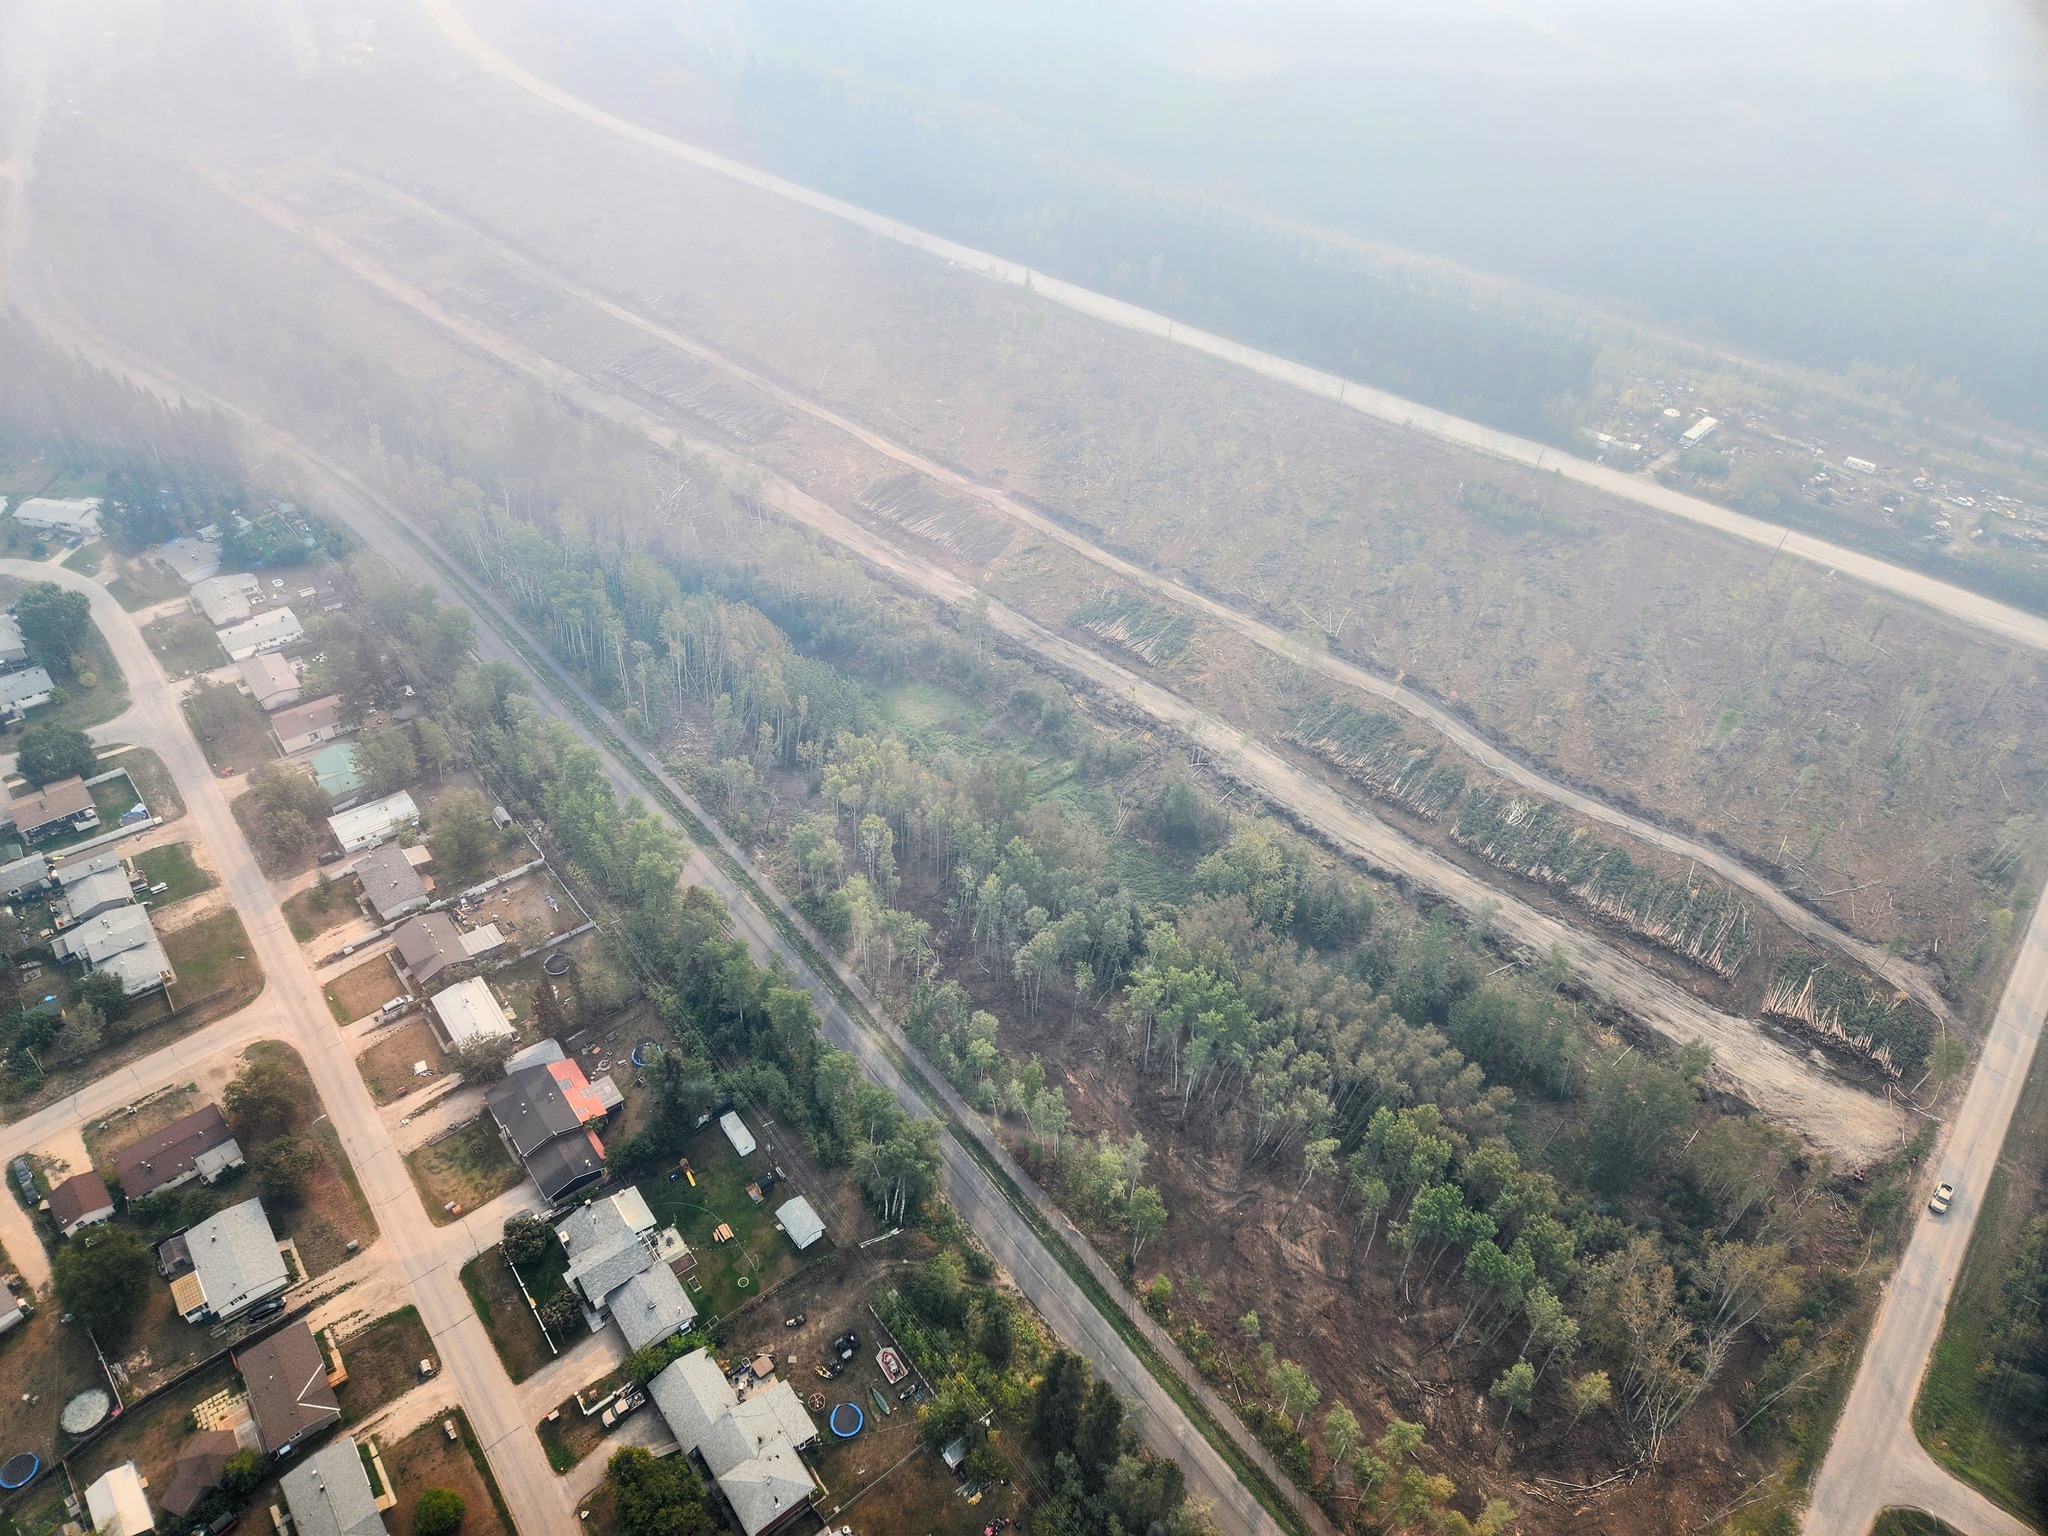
{"type": "Point", "coordinates": [892, 1365]}
{"type": "Point", "coordinates": [228, 772]}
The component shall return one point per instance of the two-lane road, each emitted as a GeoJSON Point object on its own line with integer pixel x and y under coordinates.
{"type": "Point", "coordinates": [1875, 1461]}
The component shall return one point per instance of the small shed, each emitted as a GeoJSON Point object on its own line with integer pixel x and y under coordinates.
{"type": "Point", "coordinates": [737, 1133]}
{"type": "Point", "coordinates": [801, 1222]}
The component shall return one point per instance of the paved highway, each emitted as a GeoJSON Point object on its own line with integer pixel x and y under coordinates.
{"type": "Point", "coordinates": [1795, 914]}
{"type": "Point", "coordinates": [1980, 612]}
{"type": "Point", "coordinates": [1875, 1461]}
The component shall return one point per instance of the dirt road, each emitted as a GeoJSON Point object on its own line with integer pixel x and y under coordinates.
{"type": "Point", "coordinates": [1850, 1124]}
{"type": "Point", "coordinates": [1800, 918]}
{"type": "Point", "coordinates": [292, 1008]}
{"type": "Point", "coordinates": [1875, 1461]}
{"type": "Point", "coordinates": [1980, 612]}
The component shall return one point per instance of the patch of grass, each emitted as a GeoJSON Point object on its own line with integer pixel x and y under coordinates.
{"type": "Point", "coordinates": [494, 1293]}
{"type": "Point", "coordinates": [85, 559]}
{"type": "Point", "coordinates": [94, 694]}
{"type": "Point", "coordinates": [331, 1210]}
{"type": "Point", "coordinates": [316, 909]}
{"type": "Point", "coordinates": [214, 955]}
{"type": "Point", "coordinates": [152, 1437]}
{"type": "Point", "coordinates": [468, 1169]}
{"type": "Point", "coordinates": [383, 1362]}
{"type": "Point", "coordinates": [184, 643]}
{"type": "Point", "coordinates": [236, 733]}
{"type": "Point", "coordinates": [142, 585]}
{"type": "Point", "coordinates": [173, 867]}
{"type": "Point", "coordinates": [364, 990]}
{"type": "Point", "coordinates": [387, 1066]}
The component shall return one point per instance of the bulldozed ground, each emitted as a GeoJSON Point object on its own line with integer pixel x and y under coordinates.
{"type": "Point", "coordinates": [1874, 757]}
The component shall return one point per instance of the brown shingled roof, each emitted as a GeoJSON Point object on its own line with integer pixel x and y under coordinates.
{"type": "Point", "coordinates": [287, 1380]}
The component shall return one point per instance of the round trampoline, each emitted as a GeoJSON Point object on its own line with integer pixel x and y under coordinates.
{"type": "Point", "coordinates": [85, 1411]}
{"type": "Point", "coordinates": [841, 1426]}
{"type": "Point", "coordinates": [556, 964]}
{"type": "Point", "coordinates": [645, 1051]}
{"type": "Point", "coordinates": [19, 1470]}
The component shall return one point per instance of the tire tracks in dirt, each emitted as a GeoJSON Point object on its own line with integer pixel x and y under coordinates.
{"type": "Point", "coordinates": [1787, 908]}
{"type": "Point", "coordinates": [1837, 1117]}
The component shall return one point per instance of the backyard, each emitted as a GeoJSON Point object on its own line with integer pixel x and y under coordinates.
{"type": "Point", "coordinates": [757, 1257]}
{"type": "Point", "coordinates": [137, 584]}
{"type": "Point", "coordinates": [463, 1170]}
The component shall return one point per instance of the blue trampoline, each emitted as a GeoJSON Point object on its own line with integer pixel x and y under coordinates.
{"type": "Point", "coordinates": [645, 1052]}
{"type": "Point", "coordinates": [20, 1470]}
{"type": "Point", "coordinates": [839, 1424]}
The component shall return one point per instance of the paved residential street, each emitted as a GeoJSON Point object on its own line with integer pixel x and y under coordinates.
{"type": "Point", "coordinates": [293, 1009]}
{"type": "Point", "coordinates": [1876, 1461]}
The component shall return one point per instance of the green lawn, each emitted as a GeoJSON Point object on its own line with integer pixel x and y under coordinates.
{"type": "Point", "coordinates": [152, 780]}
{"type": "Point", "coordinates": [185, 644]}
{"type": "Point", "coordinates": [94, 694]}
{"type": "Point", "coordinates": [115, 799]}
{"type": "Point", "coordinates": [728, 1275]}
{"type": "Point", "coordinates": [212, 955]}
{"type": "Point", "coordinates": [142, 585]}
{"type": "Point", "coordinates": [239, 738]}
{"type": "Point", "coordinates": [173, 867]}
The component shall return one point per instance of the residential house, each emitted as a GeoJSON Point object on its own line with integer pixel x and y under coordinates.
{"type": "Point", "coordinates": [329, 1493]}
{"type": "Point", "coordinates": [81, 1201]}
{"type": "Point", "coordinates": [236, 1265]}
{"type": "Point", "coordinates": [378, 821]}
{"type": "Point", "coordinates": [195, 1146]}
{"type": "Point", "coordinates": [544, 1113]}
{"type": "Point", "coordinates": [289, 1395]}
{"type": "Point", "coordinates": [117, 1505]}
{"type": "Point", "coordinates": [335, 767]}
{"type": "Point", "coordinates": [431, 942]}
{"type": "Point", "coordinates": [272, 681]}
{"type": "Point", "coordinates": [22, 691]}
{"type": "Point", "coordinates": [803, 1225]}
{"type": "Point", "coordinates": [225, 600]}
{"type": "Point", "coordinates": [749, 1446]}
{"type": "Point", "coordinates": [271, 631]}
{"type": "Point", "coordinates": [190, 560]}
{"type": "Point", "coordinates": [63, 806]}
{"type": "Point", "coordinates": [73, 517]}
{"type": "Point", "coordinates": [391, 881]}
{"type": "Point", "coordinates": [25, 874]}
{"type": "Point", "coordinates": [651, 1306]}
{"type": "Point", "coordinates": [201, 1460]}
{"type": "Point", "coordinates": [607, 1244]}
{"type": "Point", "coordinates": [122, 943]}
{"type": "Point", "coordinates": [13, 649]}
{"type": "Point", "coordinates": [468, 1011]}
{"type": "Point", "coordinates": [88, 887]}
{"type": "Point", "coordinates": [307, 725]}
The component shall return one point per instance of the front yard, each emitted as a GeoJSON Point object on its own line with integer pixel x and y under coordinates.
{"type": "Point", "coordinates": [388, 1066]}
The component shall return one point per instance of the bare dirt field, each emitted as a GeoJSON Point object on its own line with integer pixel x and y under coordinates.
{"type": "Point", "coordinates": [387, 1066]}
{"type": "Point", "coordinates": [358, 993]}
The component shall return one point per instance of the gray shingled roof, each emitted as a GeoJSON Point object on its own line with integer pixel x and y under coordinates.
{"type": "Point", "coordinates": [329, 1493]}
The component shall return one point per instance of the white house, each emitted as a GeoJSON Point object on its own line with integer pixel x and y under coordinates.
{"type": "Point", "coordinates": [78, 516]}
{"type": "Point", "coordinates": [365, 826]}
{"type": "Point", "coordinates": [468, 1011]}
{"type": "Point", "coordinates": [236, 1265]}
{"type": "Point", "coordinates": [190, 560]}
{"type": "Point", "coordinates": [13, 649]}
{"type": "Point", "coordinates": [272, 681]}
{"type": "Point", "coordinates": [225, 600]}
{"type": "Point", "coordinates": [750, 1446]}
{"type": "Point", "coordinates": [271, 631]}
{"type": "Point", "coordinates": [22, 691]}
